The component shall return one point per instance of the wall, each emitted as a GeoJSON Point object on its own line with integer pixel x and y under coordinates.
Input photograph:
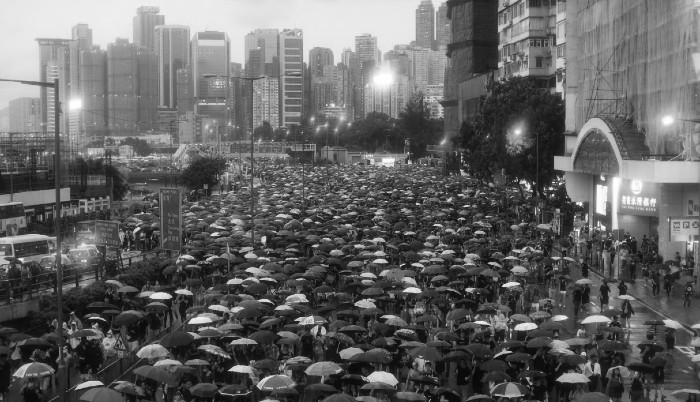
{"type": "Point", "coordinates": [39, 197]}
{"type": "Point", "coordinates": [673, 203]}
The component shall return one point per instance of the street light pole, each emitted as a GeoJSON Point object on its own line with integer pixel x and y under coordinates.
{"type": "Point", "coordinates": [57, 217]}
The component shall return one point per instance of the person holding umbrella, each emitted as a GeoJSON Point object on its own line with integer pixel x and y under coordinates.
{"type": "Point", "coordinates": [688, 294]}
{"type": "Point", "coordinates": [30, 391]}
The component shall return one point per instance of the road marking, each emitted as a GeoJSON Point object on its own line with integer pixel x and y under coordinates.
{"type": "Point", "coordinates": [686, 350]}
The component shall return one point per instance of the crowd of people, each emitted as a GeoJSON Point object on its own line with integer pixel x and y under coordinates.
{"type": "Point", "coordinates": [394, 286]}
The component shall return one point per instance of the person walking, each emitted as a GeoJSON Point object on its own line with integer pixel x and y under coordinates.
{"type": "Point", "coordinates": [622, 288]}
{"type": "Point", "coordinates": [615, 388]}
{"type": "Point", "coordinates": [668, 284]}
{"type": "Point", "coordinates": [576, 299]}
{"type": "Point", "coordinates": [688, 294]}
{"type": "Point", "coordinates": [655, 284]}
{"type": "Point", "coordinates": [604, 296]}
{"type": "Point", "coordinates": [627, 313]}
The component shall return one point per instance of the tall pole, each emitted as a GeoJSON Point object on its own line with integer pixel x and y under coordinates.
{"type": "Point", "coordinates": [59, 274]}
{"type": "Point", "coordinates": [252, 161]}
{"type": "Point", "coordinates": [537, 175]}
{"type": "Point", "coordinates": [12, 171]}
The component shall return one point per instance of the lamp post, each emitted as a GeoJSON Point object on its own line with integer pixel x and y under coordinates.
{"type": "Point", "coordinates": [668, 121]}
{"type": "Point", "coordinates": [57, 217]}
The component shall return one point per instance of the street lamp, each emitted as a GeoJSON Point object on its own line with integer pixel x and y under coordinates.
{"type": "Point", "coordinates": [57, 217]}
{"type": "Point", "coordinates": [384, 80]}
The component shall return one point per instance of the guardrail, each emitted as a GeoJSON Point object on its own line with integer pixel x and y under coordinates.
{"type": "Point", "coordinates": [14, 290]}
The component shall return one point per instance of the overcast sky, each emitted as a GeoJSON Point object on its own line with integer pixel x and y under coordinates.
{"type": "Point", "coordinates": [326, 23]}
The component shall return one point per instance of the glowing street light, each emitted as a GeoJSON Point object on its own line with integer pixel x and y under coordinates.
{"type": "Point", "coordinates": [384, 80]}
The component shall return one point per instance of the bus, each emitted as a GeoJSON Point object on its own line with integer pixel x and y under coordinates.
{"type": "Point", "coordinates": [29, 247]}
{"type": "Point", "coordinates": [12, 218]}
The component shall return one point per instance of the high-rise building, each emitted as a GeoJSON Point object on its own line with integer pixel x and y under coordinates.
{"type": "Point", "coordinates": [443, 34]}
{"type": "Point", "coordinates": [425, 24]}
{"type": "Point", "coordinates": [291, 67]}
{"type": "Point", "coordinates": [185, 91]}
{"type": "Point", "coordinates": [93, 92]}
{"type": "Point", "coordinates": [172, 44]}
{"type": "Point", "coordinates": [81, 36]}
{"type": "Point", "coordinates": [472, 59]}
{"type": "Point", "coordinates": [436, 70]}
{"type": "Point", "coordinates": [433, 96]}
{"type": "Point", "coordinates": [390, 98]}
{"type": "Point", "coordinates": [266, 103]}
{"type": "Point", "coordinates": [132, 88]}
{"type": "Point", "coordinates": [49, 48]}
{"type": "Point", "coordinates": [25, 115]}
{"type": "Point", "coordinates": [5, 118]}
{"type": "Point", "coordinates": [211, 61]}
{"type": "Point", "coordinates": [319, 57]}
{"type": "Point", "coordinates": [366, 49]}
{"type": "Point", "coordinates": [353, 100]}
{"type": "Point", "coordinates": [261, 52]}
{"type": "Point", "coordinates": [527, 45]}
{"type": "Point", "coordinates": [145, 22]}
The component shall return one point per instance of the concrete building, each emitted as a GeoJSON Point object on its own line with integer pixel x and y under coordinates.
{"type": "Point", "coordinates": [49, 49]}
{"type": "Point", "coordinates": [211, 61]}
{"type": "Point", "coordinates": [350, 66]}
{"type": "Point", "coordinates": [172, 44]}
{"type": "Point", "coordinates": [473, 56]}
{"type": "Point", "coordinates": [527, 40]}
{"type": "Point", "coordinates": [425, 24]}
{"type": "Point", "coordinates": [5, 118]}
{"type": "Point", "coordinates": [266, 102]}
{"type": "Point", "coordinates": [366, 49]}
{"type": "Point", "coordinates": [433, 96]}
{"type": "Point", "coordinates": [390, 99]}
{"type": "Point", "coordinates": [443, 34]}
{"type": "Point", "coordinates": [261, 52]}
{"type": "Point", "coordinates": [145, 22]}
{"type": "Point", "coordinates": [93, 92]}
{"type": "Point", "coordinates": [319, 57]}
{"type": "Point", "coordinates": [25, 115]}
{"type": "Point", "coordinates": [630, 157]}
{"type": "Point", "coordinates": [291, 69]}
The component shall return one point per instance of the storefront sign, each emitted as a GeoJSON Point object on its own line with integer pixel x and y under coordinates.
{"type": "Point", "coordinates": [638, 198]}
{"type": "Point", "coordinates": [170, 219]}
{"type": "Point", "coordinates": [683, 229]}
{"type": "Point", "coordinates": [692, 206]}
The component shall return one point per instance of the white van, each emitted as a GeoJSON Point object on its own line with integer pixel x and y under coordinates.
{"type": "Point", "coordinates": [29, 247]}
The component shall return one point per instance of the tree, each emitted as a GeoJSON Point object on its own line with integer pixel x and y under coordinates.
{"type": "Point", "coordinates": [516, 122]}
{"type": "Point", "coordinates": [416, 124]}
{"type": "Point", "coordinates": [263, 132]}
{"type": "Point", "coordinates": [205, 170]}
{"type": "Point", "coordinates": [86, 167]}
{"type": "Point", "coordinates": [141, 147]}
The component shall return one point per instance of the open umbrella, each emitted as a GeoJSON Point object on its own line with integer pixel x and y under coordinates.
{"type": "Point", "coordinates": [33, 370]}
{"type": "Point", "coordinates": [204, 390]}
{"type": "Point", "coordinates": [383, 377]}
{"type": "Point", "coordinates": [102, 394]}
{"type": "Point", "coordinates": [322, 369]}
{"type": "Point", "coordinates": [276, 383]}
{"type": "Point", "coordinates": [510, 390]}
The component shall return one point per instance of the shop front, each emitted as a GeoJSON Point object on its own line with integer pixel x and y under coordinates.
{"type": "Point", "coordinates": [607, 166]}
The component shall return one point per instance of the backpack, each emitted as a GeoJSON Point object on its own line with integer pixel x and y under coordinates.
{"type": "Point", "coordinates": [688, 290]}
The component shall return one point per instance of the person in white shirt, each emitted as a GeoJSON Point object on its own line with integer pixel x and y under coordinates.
{"type": "Point", "coordinates": [591, 369]}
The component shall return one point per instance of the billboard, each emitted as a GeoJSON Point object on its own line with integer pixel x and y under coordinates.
{"type": "Point", "coordinates": [107, 234]}
{"type": "Point", "coordinates": [170, 219]}
{"type": "Point", "coordinates": [682, 229]}
{"type": "Point", "coordinates": [638, 198]}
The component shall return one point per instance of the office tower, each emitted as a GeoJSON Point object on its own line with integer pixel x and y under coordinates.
{"type": "Point", "coordinates": [528, 41]}
{"type": "Point", "coordinates": [147, 72]}
{"type": "Point", "coordinates": [389, 99]}
{"type": "Point", "coordinates": [264, 44]}
{"type": "Point", "coordinates": [353, 101]}
{"type": "Point", "coordinates": [145, 22]}
{"type": "Point", "coordinates": [5, 118]}
{"type": "Point", "coordinates": [433, 96]}
{"type": "Point", "coordinates": [442, 28]}
{"type": "Point", "coordinates": [93, 92]}
{"type": "Point", "coordinates": [425, 24]}
{"type": "Point", "coordinates": [83, 34]}
{"type": "Point", "coordinates": [52, 73]}
{"type": "Point", "coordinates": [266, 103]}
{"type": "Point", "coordinates": [172, 44]}
{"type": "Point", "coordinates": [319, 57]}
{"type": "Point", "coordinates": [211, 61]}
{"type": "Point", "coordinates": [436, 70]}
{"type": "Point", "coordinates": [49, 48]}
{"type": "Point", "coordinates": [291, 67]}
{"type": "Point", "coordinates": [236, 69]}
{"type": "Point", "coordinates": [25, 115]}
{"type": "Point", "coordinates": [185, 91]}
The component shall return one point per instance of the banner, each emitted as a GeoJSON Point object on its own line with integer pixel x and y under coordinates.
{"type": "Point", "coordinates": [683, 229]}
{"type": "Point", "coordinates": [107, 234]}
{"type": "Point", "coordinates": [638, 198]}
{"type": "Point", "coordinates": [170, 219]}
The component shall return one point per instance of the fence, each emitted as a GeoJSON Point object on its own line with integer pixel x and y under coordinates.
{"type": "Point", "coordinates": [13, 290]}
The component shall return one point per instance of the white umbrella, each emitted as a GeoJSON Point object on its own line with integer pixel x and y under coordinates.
{"type": "Point", "coordinates": [559, 317]}
{"type": "Point", "coordinates": [596, 319]}
{"type": "Point", "coordinates": [200, 320]}
{"type": "Point", "coordinates": [625, 297]}
{"type": "Point", "coordinates": [526, 326]}
{"type": "Point", "coordinates": [383, 377]}
{"type": "Point", "coordinates": [167, 363]}
{"type": "Point", "coordinates": [239, 368]}
{"type": "Point", "coordinates": [673, 324]}
{"type": "Point", "coordinates": [510, 285]}
{"type": "Point", "coordinates": [584, 281]}
{"type": "Point", "coordinates": [219, 307]}
{"type": "Point", "coordinates": [380, 261]}
{"type": "Point", "coordinates": [696, 326]}
{"type": "Point", "coordinates": [234, 281]}
{"type": "Point", "coordinates": [160, 296]}
{"type": "Point", "coordinates": [89, 384]}
{"type": "Point", "coordinates": [519, 270]}
{"type": "Point", "coordinates": [243, 341]}
{"type": "Point", "coordinates": [412, 290]}
{"type": "Point", "coordinates": [350, 352]}
{"type": "Point", "coordinates": [365, 303]}
{"type": "Point", "coordinates": [183, 292]}
{"type": "Point", "coordinates": [573, 378]}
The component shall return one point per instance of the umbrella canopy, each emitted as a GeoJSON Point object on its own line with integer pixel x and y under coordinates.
{"type": "Point", "coordinates": [276, 383]}
{"type": "Point", "coordinates": [323, 369]}
{"type": "Point", "coordinates": [510, 390]}
{"type": "Point", "coordinates": [383, 377]}
{"type": "Point", "coordinates": [102, 394]}
{"type": "Point", "coordinates": [33, 370]}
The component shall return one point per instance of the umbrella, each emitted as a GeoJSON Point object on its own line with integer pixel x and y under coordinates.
{"type": "Point", "coordinates": [128, 388]}
{"type": "Point", "coordinates": [177, 338]}
{"type": "Point", "coordinates": [493, 365]}
{"type": "Point", "coordinates": [89, 384]}
{"type": "Point", "coordinates": [204, 390]}
{"type": "Point", "coordinates": [624, 371]}
{"type": "Point", "coordinates": [525, 326]}
{"type": "Point", "coordinates": [573, 378]}
{"type": "Point", "coordinates": [152, 351]}
{"type": "Point", "coordinates": [672, 324]}
{"type": "Point", "coordinates": [322, 369]}
{"type": "Point", "coordinates": [155, 373]}
{"type": "Point", "coordinates": [480, 398]}
{"type": "Point", "coordinates": [510, 390]}
{"type": "Point", "coordinates": [641, 367]}
{"type": "Point", "coordinates": [496, 376]}
{"type": "Point", "coordinates": [426, 352]}
{"type": "Point", "coordinates": [241, 369]}
{"type": "Point", "coordinates": [33, 370]}
{"type": "Point", "coordinates": [102, 394]}
{"type": "Point", "coordinates": [684, 394]}
{"type": "Point", "coordinates": [276, 383]}
{"type": "Point", "coordinates": [339, 398]}
{"type": "Point", "coordinates": [346, 354]}
{"type": "Point", "coordinates": [593, 397]}
{"type": "Point", "coordinates": [596, 319]}
{"type": "Point", "coordinates": [408, 397]}
{"type": "Point", "coordinates": [383, 377]}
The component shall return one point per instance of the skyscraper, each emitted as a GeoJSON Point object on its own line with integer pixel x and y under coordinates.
{"type": "Point", "coordinates": [81, 36]}
{"type": "Point", "coordinates": [319, 57]}
{"type": "Point", "coordinates": [291, 68]}
{"type": "Point", "coordinates": [49, 48]}
{"type": "Point", "coordinates": [145, 22]}
{"type": "Point", "coordinates": [25, 115]}
{"type": "Point", "coordinates": [322, 82]}
{"type": "Point", "coordinates": [93, 92]}
{"type": "Point", "coordinates": [366, 48]}
{"type": "Point", "coordinates": [443, 34]}
{"type": "Point", "coordinates": [261, 52]}
{"type": "Point", "coordinates": [172, 43]}
{"type": "Point", "coordinates": [266, 103]}
{"type": "Point", "coordinates": [211, 61]}
{"type": "Point", "coordinates": [425, 24]}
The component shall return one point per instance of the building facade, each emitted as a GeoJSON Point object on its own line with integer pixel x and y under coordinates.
{"type": "Point", "coordinates": [211, 61]}
{"type": "Point", "coordinates": [443, 33]}
{"type": "Point", "coordinates": [25, 115]}
{"type": "Point", "coordinates": [172, 44]}
{"type": "Point", "coordinates": [266, 105]}
{"type": "Point", "coordinates": [49, 49]}
{"type": "Point", "coordinates": [425, 24]}
{"type": "Point", "coordinates": [145, 22]}
{"type": "Point", "coordinates": [291, 68]}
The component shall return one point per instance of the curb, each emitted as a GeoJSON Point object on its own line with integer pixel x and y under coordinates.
{"type": "Point", "coordinates": [686, 327]}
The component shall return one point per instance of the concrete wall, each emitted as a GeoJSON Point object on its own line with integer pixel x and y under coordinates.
{"type": "Point", "coordinates": [39, 197]}
{"type": "Point", "coordinates": [673, 202]}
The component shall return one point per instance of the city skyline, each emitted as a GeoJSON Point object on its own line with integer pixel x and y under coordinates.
{"type": "Point", "coordinates": [236, 18]}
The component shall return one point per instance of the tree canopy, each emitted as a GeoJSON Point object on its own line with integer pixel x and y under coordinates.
{"type": "Point", "coordinates": [205, 170]}
{"type": "Point", "coordinates": [141, 147]}
{"type": "Point", "coordinates": [517, 122]}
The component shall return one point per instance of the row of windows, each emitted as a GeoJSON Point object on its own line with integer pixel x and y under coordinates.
{"type": "Point", "coordinates": [522, 45]}
{"type": "Point", "coordinates": [517, 9]}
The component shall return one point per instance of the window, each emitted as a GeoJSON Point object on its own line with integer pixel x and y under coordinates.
{"type": "Point", "coordinates": [545, 42]}
{"type": "Point", "coordinates": [5, 249]}
{"type": "Point", "coordinates": [561, 30]}
{"type": "Point", "coordinates": [532, 43]}
{"type": "Point", "coordinates": [538, 61]}
{"type": "Point", "coordinates": [535, 3]}
{"type": "Point", "coordinates": [31, 248]}
{"type": "Point", "coordinates": [561, 50]}
{"type": "Point", "coordinates": [522, 8]}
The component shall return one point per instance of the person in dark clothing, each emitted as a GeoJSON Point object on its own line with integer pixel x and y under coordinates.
{"type": "Point", "coordinates": [5, 375]}
{"type": "Point", "coordinates": [584, 270]}
{"type": "Point", "coordinates": [604, 295]}
{"type": "Point", "coordinates": [633, 269]}
{"type": "Point", "coordinates": [655, 284]}
{"type": "Point", "coordinates": [576, 299]}
{"type": "Point", "coordinates": [30, 392]}
{"type": "Point", "coordinates": [622, 288]}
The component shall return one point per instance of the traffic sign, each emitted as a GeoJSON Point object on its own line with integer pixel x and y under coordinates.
{"type": "Point", "coordinates": [170, 219]}
{"type": "Point", "coordinates": [107, 234]}
{"type": "Point", "coordinates": [681, 229]}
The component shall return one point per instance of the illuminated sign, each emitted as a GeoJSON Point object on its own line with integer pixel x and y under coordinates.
{"type": "Point", "coordinates": [601, 198]}
{"type": "Point", "coordinates": [638, 198]}
{"type": "Point", "coordinates": [170, 219]}
{"type": "Point", "coordinates": [683, 229]}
